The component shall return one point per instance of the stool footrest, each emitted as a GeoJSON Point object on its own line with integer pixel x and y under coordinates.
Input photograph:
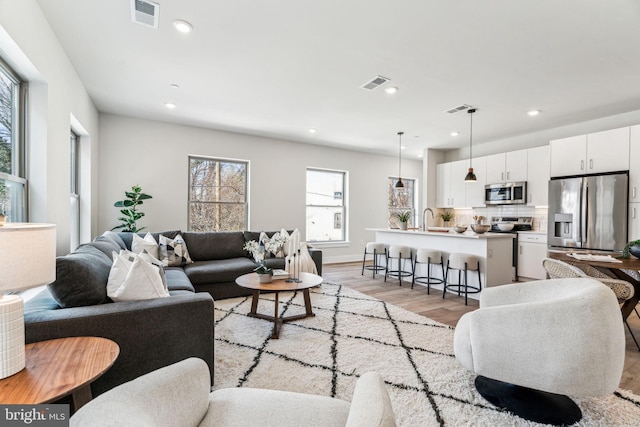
{"type": "Point", "coordinates": [428, 280]}
{"type": "Point", "coordinates": [461, 288]}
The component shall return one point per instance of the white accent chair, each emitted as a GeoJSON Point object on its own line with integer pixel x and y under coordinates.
{"type": "Point", "coordinates": [530, 343]}
{"type": "Point", "coordinates": [178, 395]}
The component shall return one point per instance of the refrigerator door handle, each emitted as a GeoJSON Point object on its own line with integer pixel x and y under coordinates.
{"type": "Point", "coordinates": [584, 212]}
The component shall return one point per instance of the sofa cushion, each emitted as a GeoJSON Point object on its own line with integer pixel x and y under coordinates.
{"type": "Point", "coordinates": [111, 236]}
{"type": "Point", "coordinates": [81, 277]}
{"type": "Point", "coordinates": [135, 279]}
{"type": "Point", "coordinates": [105, 246]}
{"type": "Point", "coordinates": [177, 280]}
{"type": "Point", "coordinates": [216, 271]}
{"type": "Point", "coordinates": [127, 237]}
{"type": "Point", "coordinates": [147, 243]}
{"type": "Point", "coordinates": [215, 245]}
{"type": "Point", "coordinates": [173, 252]}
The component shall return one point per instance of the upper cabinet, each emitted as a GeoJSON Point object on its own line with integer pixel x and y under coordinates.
{"type": "Point", "coordinates": [538, 179]}
{"type": "Point", "coordinates": [507, 167]}
{"type": "Point", "coordinates": [598, 152]}
{"type": "Point", "coordinates": [634, 167]}
{"type": "Point", "coordinates": [451, 189]}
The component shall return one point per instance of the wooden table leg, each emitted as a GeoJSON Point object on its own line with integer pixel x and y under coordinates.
{"type": "Point", "coordinates": [307, 303]}
{"type": "Point", "coordinates": [254, 302]}
{"type": "Point", "coordinates": [276, 329]}
{"type": "Point", "coordinates": [630, 304]}
{"type": "Point", "coordinates": [81, 396]}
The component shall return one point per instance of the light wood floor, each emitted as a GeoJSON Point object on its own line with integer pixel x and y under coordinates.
{"type": "Point", "coordinates": [450, 309]}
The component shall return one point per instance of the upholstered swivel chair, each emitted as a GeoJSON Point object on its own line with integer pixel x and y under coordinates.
{"type": "Point", "coordinates": [533, 343]}
{"type": "Point", "coordinates": [178, 395]}
{"type": "Point", "coordinates": [622, 289]}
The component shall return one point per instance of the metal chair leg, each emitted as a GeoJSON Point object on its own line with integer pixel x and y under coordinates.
{"type": "Point", "coordinates": [632, 335]}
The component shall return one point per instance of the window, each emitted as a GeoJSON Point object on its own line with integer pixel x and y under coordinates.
{"type": "Point", "coordinates": [217, 194]}
{"type": "Point", "coordinates": [74, 142]}
{"type": "Point", "coordinates": [400, 200]}
{"type": "Point", "coordinates": [13, 186]}
{"type": "Point", "coordinates": [326, 208]}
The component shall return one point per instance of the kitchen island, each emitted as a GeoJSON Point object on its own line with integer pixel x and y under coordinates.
{"type": "Point", "coordinates": [494, 250]}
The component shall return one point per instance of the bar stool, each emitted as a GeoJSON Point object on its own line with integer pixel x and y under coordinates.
{"type": "Point", "coordinates": [377, 250]}
{"type": "Point", "coordinates": [462, 262]}
{"type": "Point", "coordinates": [402, 254]}
{"type": "Point", "coordinates": [429, 257]}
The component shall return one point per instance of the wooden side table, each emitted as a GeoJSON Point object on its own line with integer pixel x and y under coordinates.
{"type": "Point", "coordinates": [59, 367]}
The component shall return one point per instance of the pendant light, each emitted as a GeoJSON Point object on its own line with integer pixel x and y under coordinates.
{"type": "Point", "coordinates": [399, 184]}
{"type": "Point", "coordinates": [471, 177]}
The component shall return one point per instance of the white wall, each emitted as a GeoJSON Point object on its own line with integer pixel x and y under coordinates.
{"type": "Point", "coordinates": [56, 94]}
{"type": "Point", "coordinates": [154, 155]}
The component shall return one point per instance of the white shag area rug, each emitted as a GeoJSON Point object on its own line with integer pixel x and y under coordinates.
{"type": "Point", "coordinates": [353, 333]}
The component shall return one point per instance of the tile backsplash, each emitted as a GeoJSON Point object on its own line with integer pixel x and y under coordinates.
{"type": "Point", "coordinates": [465, 216]}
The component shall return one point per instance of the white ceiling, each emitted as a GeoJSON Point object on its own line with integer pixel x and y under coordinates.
{"type": "Point", "coordinates": [277, 68]}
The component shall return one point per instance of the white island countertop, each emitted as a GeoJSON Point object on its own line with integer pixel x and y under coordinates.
{"type": "Point", "coordinates": [469, 234]}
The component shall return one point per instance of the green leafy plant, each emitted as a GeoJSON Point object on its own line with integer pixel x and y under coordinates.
{"type": "Point", "coordinates": [446, 215]}
{"type": "Point", "coordinates": [263, 269]}
{"type": "Point", "coordinates": [625, 252]}
{"type": "Point", "coordinates": [130, 212]}
{"type": "Point", "coordinates": [403, 216]}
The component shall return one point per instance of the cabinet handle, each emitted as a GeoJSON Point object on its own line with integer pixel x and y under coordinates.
{"type": "Point", "coordinates": [590, 163]}
{"type": "Point", "coordinates": [581, 165]}
{"type": "Point", "coordinates": [501, 176]}
{"type": "Point", "coordinates": [530, 197]}
{"type": "Point", "coordinates": [520, 249]}
{"type": "Point", "coordinates": [633, 194]}
{"type": "Point", "coordinates": [508, 178]}
{"type": "Point", "coordinates": [634, 213]}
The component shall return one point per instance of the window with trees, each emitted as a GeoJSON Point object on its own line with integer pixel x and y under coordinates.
{"type": "Point", "coordinates": [74, 189]}
{"type": "Point", "coordinates": [401, 200]}
{"type": "Point", "coordinates": [217, 194]}
{"type": "Point", "coordinates": [326, 208]}
{"type": "Point", "coordinates": [13, 185]}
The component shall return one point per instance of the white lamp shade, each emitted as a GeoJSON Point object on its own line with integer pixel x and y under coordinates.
{"type": "Point", "coordinates": [28, 255]}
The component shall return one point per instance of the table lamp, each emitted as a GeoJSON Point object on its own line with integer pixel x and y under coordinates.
{"type": "Point", "coordinates": [28, 260]}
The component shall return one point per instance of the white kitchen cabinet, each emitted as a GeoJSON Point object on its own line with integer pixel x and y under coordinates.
{"type": "Point", "coordinates": [474, 191]}
{"type": "Point", "coordinates": [634, 166]}
{"type": "Point", "coordinates": [450, 184]}
{"type": "Point", "coordinates": [538, 176]}
{"type": "Point", "coordinates": [532, 249]}
{"type": "Point", "coordinates": [634, 221]}
{"type": "Point", "coordinates": [607, 151]}
{"type": "Point", "coordinates": [507, 167]}
{"type": "Point", "coordinates": [568, 155]}
{"type": "Point", "coordinates": [597, 152]}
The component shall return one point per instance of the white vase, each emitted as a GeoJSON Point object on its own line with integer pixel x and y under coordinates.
{"type": "Point", "coordinates": [265, 277]}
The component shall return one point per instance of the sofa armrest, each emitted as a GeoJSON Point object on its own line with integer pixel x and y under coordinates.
{"type": "Point", "coordinates": [316, 256]}
{"type": "Point", "coordinates": [151, 333]}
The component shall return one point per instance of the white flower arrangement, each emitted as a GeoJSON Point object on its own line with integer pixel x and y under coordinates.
{"type": "Point", "coordinates": [276, 243]}
{"type": "Point", "coordinates": [255, 250]}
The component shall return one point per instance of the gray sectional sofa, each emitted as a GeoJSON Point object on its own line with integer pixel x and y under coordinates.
{"type": "Point", "coordinates": [151, 333]}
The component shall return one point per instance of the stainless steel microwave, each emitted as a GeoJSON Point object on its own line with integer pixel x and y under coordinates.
{"type": "Point", "coordinates": [509, 193]}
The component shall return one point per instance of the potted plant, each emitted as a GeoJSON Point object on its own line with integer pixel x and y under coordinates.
{"type": "Point", "coordinates": [403, 218]}
{"type": "Point", "coordinates": [265, 274]}
{"type": "Point", "coordinates": [446, 217]}
{"type": "Point", "coordinates": [632, 248]}
{"type": "Point", "coordinates": [130, 213]}
{"type": "Point", "coordinates": [3, 216]}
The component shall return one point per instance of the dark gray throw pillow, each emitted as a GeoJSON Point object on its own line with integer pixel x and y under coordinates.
{"type": "Point", "coordinates": [81, 277]}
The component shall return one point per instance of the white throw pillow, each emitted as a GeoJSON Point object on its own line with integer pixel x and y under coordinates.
{"type": "Point", "coordinates": [148, 243]}
{"type": "Point", "coordinates": [173, 252]}
{"type": "Point", "coordinates": [134, 278]}
{"type": "Point", "coordinates": [285, 233]}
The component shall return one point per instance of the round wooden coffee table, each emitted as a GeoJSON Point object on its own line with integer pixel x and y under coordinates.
{"type": "Point", "coordinates": [307, 280]}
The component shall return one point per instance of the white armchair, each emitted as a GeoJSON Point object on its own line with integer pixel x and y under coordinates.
{"type": "Point", "coordinates": [535, 341]}
{"type": "Point", "coordinates": [178, 395]}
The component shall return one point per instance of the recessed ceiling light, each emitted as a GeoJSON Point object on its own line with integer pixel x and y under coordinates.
{"type": "Point", "coordinates": [403, 147]}
{"type": "Point", "coordinates": [391, 89]}
{"type": "Point", "coordinates": [170, 105]}
{"type": "Point", "coordinates": [533, 112]}
{"type": "Point", "coordinates": [312, 130]}
{"type": "Point", "coordinates": [455, 133]}
{"type": "Point", "coordinates": [182, 26]}
{"type": "Point", "coordinates": [174, 86]}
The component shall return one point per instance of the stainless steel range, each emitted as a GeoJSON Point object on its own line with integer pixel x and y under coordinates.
{"type": "Point", "coordinates": [522, 223]}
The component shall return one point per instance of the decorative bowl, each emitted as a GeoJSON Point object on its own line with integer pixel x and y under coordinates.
{"type": "Point", "coordinates": [505, 227]}
{"type": "Point", "coordinates": [460, 228]}
{"type": "Point", "coordinates": [480, 228]}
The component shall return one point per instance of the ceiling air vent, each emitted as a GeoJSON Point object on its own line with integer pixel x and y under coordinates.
{"type": "Point", "coordinates": [375, 82]}
{"type": "Point", "coordinates": [458, 108]}
{"type": "Point", "coordinates": [145, 13]}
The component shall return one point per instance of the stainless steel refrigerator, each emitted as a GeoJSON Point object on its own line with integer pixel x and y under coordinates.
{"type": "Point", "coordinates": [588, 212]}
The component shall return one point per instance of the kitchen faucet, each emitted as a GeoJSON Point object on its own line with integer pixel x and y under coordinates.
{"type": "Point", "coordinates": [424, 218]}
